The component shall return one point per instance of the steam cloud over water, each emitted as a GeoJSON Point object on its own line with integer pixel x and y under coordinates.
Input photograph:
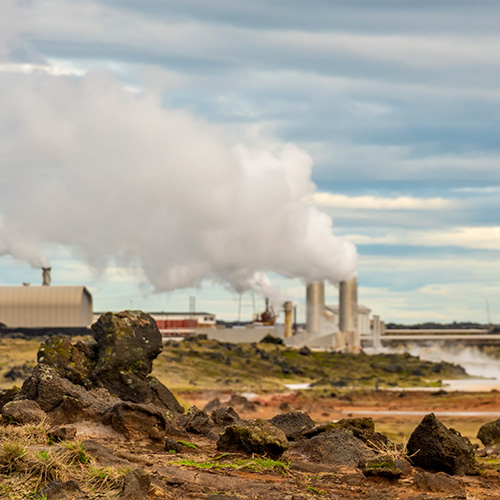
{"type": "Point", "coordinates": [117, 177]}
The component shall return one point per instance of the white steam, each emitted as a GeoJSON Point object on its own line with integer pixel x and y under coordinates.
{"type": "Point", "coordinates": [117, 177]}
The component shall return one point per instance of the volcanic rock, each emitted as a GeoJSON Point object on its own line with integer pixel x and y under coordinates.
{"type": "Point", "coordinates": [196, 421]}
{"type": "Point", "coordinates": [73, 362]}
{"type": "Point", "coordinates": [64, 401]}
{"type": "Point", "coordinates": [253, 437]}
{"type": "Point", "coordinates": [138, 421]}
{"type": "Point", "coordinates": [120, 360]}
{"type": "Point", "coordinates": [336, 447]}
{"type": "Point", "coordinates": [293, 424]}
{"type": "Point", "coordinates": [23, 412]}
{"type": "Point", "coordinates": [437, 483]}
{"type": "Point", "coordinates": [434, 447]}
{"type": "Point", "coordinates": [489, 433]}
{"type": "Point", "coordinates": [224, 416]}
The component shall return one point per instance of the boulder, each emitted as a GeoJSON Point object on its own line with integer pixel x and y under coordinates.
{"type": "Point", "coordinates": [293, 424]}
{"type": "Point", "coordinates": [128, 341]}
{"type": "Point", "coordinates": [19, 372]}
{"type": "Point", "coordinates": [253, 437]}
{"type": "Point", "coordinates": [127, 344]}
{"type": "Point", "coordinates": [138, 421]}
{"type": "Point", "coordinates": [23, 412]}
{"type": "Point", "coordinates": [489, 433]}
{"type": "Point", "coordinates": [434, 447]}
{"type": "Point", "coordinates": [336, 447]}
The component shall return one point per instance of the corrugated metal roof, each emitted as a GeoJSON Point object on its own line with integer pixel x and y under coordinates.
{"type": "Point", "coordinates": [40, 306]}
{"type": "Point", "coordinates": [41, 295]}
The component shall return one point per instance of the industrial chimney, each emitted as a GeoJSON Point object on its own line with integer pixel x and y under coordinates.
{"type": "Point", "coordinates": [348, 313]}
{"type": "Point", "coordinates": [46, 276]}
{"type": "Point", "coordinates": [315, 307]}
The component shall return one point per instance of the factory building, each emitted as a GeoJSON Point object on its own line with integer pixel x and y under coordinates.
{"type": "Point", "coordinates": [45, 306]}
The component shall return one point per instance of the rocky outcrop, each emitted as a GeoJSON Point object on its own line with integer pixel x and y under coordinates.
{"type": "Point", "coordinates": [434, 447]}
{"type": "Point", "coordinates": [489, 433]}
{"type": "Point", "coordinates": [63, 401]}
{"type": "Point", "coordinates": [253, 437]}
{"type": "Point", "coordinates": [120, 360]}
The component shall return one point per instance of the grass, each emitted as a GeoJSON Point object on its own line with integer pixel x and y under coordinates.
{"type": "Point", "coordinates": [28, 462]}
{"type": "Point", "coordinates": [255, 464]}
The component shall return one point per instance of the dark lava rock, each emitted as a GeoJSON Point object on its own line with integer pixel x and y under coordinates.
{"type": "Point", "coordinates": [127, 344]}
{"type": "Point", "coordinates": [119, 361]}
{"type": "Point", "coordinates": [434, 447]}
{"type": "Point", "coordinates": [73, 362]}
{"type": "Point", "coordinates": [269, 339]}
{"type": "Point", "coordinates": [196, 421]}
{"type": "Point", "coordinates": [23, 412]}
{"type": "Point", "coordinates": [382, 466]}
{"type": "Point", "coordinates": [105, 456]}
{"type": "Point", "coordinates": [136, 485]}
{"type": "Point", "coordinates": [336, 447]}
{"type": "Point", "coordinates": [60, 490]}
{"type": "Point", "coordinates": [253, 437]}
{"type": "Point", "coordinates": [126, 341]}
{"type": "Point", "coordinates": [64, 401]}
{"type": "Point", "coordinates": [138, 421]}
{"type": "Point", "coordinates": [222, 417]}
{"type": "Point", "coordinates": [489, 433]}
{"type": "Point", "coordinates": [437, 483]}
{"type": "Point", "coordinates": [293, 424]}
{"type": "Point", "coordinates": [19, 372]}
{"type": "Point", "coordinates": [7, 395]}
{"type": "Point", "coordinates": [362, 428]}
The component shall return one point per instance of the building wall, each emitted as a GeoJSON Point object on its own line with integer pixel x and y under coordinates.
{"type": "Point", "coordinates": [45, 306]}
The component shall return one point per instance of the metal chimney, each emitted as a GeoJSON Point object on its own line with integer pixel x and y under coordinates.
{"type": "Point", "coordinates": [46, 276]}
{"type": "Point", "coordinates": [348, 313]}
{"type": "Point", "coordinates": [315, 307]}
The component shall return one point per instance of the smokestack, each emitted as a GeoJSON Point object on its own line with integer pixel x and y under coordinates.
{"type": "Point", "coordinates": [46, 276]}
{"type": "Point", "coordinates": [315, 308]}
{"type": "Point", "coordinates": [348, 313]}
{"type": "Point", "coordinates": [288, 319]}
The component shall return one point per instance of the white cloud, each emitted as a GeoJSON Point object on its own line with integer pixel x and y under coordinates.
{"type": "Point", "coordinates": [380, 203]}
{"type": "Point", "coordinates": [481, 238]}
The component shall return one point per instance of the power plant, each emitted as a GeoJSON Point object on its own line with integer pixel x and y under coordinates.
{"type": "Point", "coordinates": [326, 326]}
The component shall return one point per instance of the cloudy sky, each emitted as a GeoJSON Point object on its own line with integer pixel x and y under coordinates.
{"type": "Point", "coordinates": [182, 146]}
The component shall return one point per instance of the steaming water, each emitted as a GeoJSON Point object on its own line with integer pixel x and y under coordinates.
{"type": "Point", "coordinates": [474, 362]}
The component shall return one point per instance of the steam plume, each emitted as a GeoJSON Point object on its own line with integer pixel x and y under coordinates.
{"type": "Point", "coordinates": [116, 176]}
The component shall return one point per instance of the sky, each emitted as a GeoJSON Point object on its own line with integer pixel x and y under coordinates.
{"type": "Point", "coordinates": [154, 151]}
